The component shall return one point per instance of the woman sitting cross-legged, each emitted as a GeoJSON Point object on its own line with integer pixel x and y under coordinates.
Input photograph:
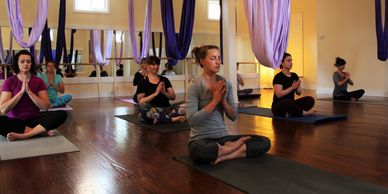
{"type": "Point", "coordinates": [210, 97]}
{"type": "Point", "coordinates": [23, 96]}
{"type": "Point", "coordinates": [153, 95]}
{"type": "Point", "coordinates": [54, 85]}
{"type": "Point", "coordinates": [286, 84]}
{"type": "Point", "coordinates": [341, 80]}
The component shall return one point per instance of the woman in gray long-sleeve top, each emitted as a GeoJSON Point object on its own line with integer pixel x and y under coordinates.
{"type": "Point", "coordinates": [210, 96]}
{"type": "Point", "coordinates": [341, 80]}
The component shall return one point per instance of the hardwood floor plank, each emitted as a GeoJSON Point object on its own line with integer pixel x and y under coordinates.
{"type": "Point", "coordinates": [121, 157]}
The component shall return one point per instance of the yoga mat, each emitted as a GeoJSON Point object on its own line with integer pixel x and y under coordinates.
{"type": "Point", "coordinates": [130, 100]}
{"type": "Point", "coordinates": [163, 128]}
{"type": "Point", "coordinates": [67, 107]}
{"type": "Point", "coordinates": [375, 101]}
{"type": "Point", "coordinates": [272, 175]}
{"type": "Point", "coordinates": [36, 146]}
{"type": "Point", "coordinates": [254, 110]}
{"type": "Point", "coordinates": [247, 96]}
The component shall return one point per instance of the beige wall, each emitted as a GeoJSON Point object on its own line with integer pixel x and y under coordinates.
{"type": "Point", "coordinates": [306, 8]}
{"type": "Point", "coordinates": [346, 28]}
{"type": "Point", "coordinates": [330, 28]}
{"type": "Point", "coordinates": [116, 19]}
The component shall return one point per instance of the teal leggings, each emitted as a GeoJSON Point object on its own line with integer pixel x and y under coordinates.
{"type": "Point", "coordinates": [61, 101]}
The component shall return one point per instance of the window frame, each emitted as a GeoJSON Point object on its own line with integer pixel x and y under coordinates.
{"type": "Point", "coordinates": [107, 2]}
{"type": "Point", "coordinates": [208, 10]}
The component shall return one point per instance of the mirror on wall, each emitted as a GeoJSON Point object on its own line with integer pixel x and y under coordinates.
{"type": "Point", "coordinates": [80, 56]}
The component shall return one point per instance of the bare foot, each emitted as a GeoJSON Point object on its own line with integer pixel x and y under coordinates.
{"type": "Point", "coordinates": [353, 99]}
{"type": "Point", "coordinates": [51, 133]}
{"type": "Point", "coordinates": [28, 129]}
{"type": "Point", "coordinates": [15, 136]}
{"type": "Point", "coordinates": [182, 119]}
{"type": "Point", "coordinates": [239, 153]}
{"type": "Point", "coordinates": [178, 119]}
{"type": "Point", "coordinates": [231, 146]}
{"type": "Point", "coordinates": [310, 112]}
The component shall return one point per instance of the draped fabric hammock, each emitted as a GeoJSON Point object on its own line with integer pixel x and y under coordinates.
{"type": "Point", "coordinates": [268, 23]}
{"type": "Point", "coordinates": [6, 59]}
{"type": "Point", "coordinates": [46, 49]}
{"type": "Point", "coordinates": [70, 57]}
{"type": "Point", "coordinates": [45, 45]}
{"type": "Point", "coordinates": [16, 21]}
{"type": "Point", "coordinates": [177, 46]}
{"type": "Point", "coordinates": [32, 48]}
{"type": "Point", "coordinates": [159, 54]}
{"type": "Point", "coordinates": [96, 47]}
{"type": "Point", "coordinates": [147, 30]}
{"type": "Point", "coordinates": [61, 38]}
{"type": "Point", "coordinates": [2, 55]}
{"type": "Point", "coordinates": [381, 33]}
{"type": "Point", "coordinates": [118, 58]}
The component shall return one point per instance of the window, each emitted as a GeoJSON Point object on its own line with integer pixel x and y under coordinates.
{"type": "Point", "coordinates": [97, 6]}
{"type": "Point", "coordinates": [213, 10]}
{"type": "Point", "coordinates": [118, 36]}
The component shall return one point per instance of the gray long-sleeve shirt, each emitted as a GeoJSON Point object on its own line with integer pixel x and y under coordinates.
{"type": "Point", "coordinates": [340, 89]}
{"type": "Point", "coordinates": [203, 124]}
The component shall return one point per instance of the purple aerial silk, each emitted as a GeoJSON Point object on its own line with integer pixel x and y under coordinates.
{"type": "Point", "coordinates": [61, 38]}
{"type": "Point", "coordinates": [2, 55]}
{"type": "Point", "coordinates": [118, 59]}
{"type": "Point", "coordinates": [70, 56]}
{"type": "Point", "coordinates": [177, 46]}
{"type": "Point", "coordinates": [16, 21]}
{"type": "Point", "coordinates": [33, 51]}
{"type": "Point", "coordinates": [96, 46]}
{"type": "Point", "coordinates": [268, 23]}
{"type": "Point", "coordinates": [160, 44]}
{"type": "Point", "coordinates": [221, 34]}
{"type": "Point", "coordinates": [147, 30]}
{"type": "Point", "coordinates": [382, 34]}
{"type": "Point", "coordinates": [9, 54]}
{"type": "Point", "coordinates": [45, 45]}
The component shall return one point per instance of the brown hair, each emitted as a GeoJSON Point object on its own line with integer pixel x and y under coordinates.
{"type": "Point", "coordinates": [200, 52]}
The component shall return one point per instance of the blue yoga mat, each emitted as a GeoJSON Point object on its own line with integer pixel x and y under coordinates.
{"type": "Point", "coordinates": [254, 110]}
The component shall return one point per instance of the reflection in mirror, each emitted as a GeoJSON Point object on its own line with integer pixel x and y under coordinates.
{"type": "Point", "coordinates": [81, 66]}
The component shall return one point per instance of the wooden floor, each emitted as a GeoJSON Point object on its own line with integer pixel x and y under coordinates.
{"type": "Point", "coordinates": [120, 157]}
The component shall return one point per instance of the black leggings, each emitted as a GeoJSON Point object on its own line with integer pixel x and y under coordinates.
{"type": "Point", "coordinates": [293, 107]}
{"type": "Point", "coordinates": [206, 150]}
{"type": "Point", "coordinates": [49, 120]}
{"type": "Point", "coordinates": [347, 96]}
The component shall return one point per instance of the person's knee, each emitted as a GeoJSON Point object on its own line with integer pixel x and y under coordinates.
{"type": "Point", "coordinates": [202, 154]}
{"type": "Point", "coordinates": [310, 100]}
{"type": "Point", "coordinates": [257, 146]}
{"type": "Point", "coordinates": [69, 97]}
{"type": "Point", "coordinates": [60, 116]}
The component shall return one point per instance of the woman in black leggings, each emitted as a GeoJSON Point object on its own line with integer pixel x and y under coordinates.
{"type": "Point", "coordinates": [341, 80]}
{"type": "Point", "coordinates": [286, 84]}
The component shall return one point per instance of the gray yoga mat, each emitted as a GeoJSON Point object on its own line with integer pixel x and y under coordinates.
{"type": "Point", "coordinates": [363, 100]}
{"type": "Point", "coordinates": [272, 174]}
{"type": "Point", "coordinates": [36, 146]}
{"type": "Point", "coordinates": [254, 110]}
{"type": "Point", "coordinates": [163, 128]}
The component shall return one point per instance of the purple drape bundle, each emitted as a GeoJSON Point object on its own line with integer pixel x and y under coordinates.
{"type": "Point", "coordinates": [147, 30]}
{"type": "Point", "coordinates": [381, 34]}
{"type": "Point", "coordinates": [16, 21]}
{"type": "Point", "coordinates": [268, 23]}
{"type": "Point", "coordinates": [96, 46]}
{"type": "Point", "coordinates": [177, 46]}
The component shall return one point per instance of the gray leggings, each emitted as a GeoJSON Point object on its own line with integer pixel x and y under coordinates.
{"type": "Point", "coordinates": [206, 150]}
